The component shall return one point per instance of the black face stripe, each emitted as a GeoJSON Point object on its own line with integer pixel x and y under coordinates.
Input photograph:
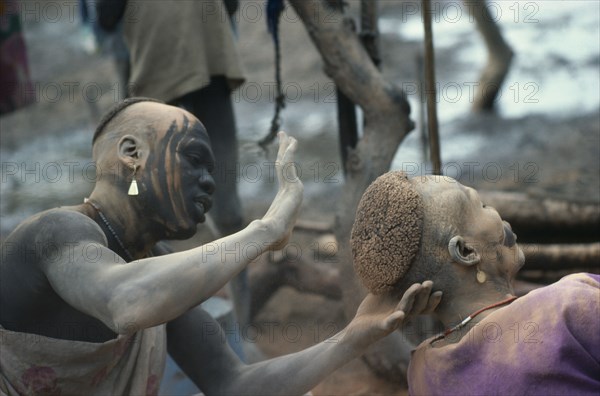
{"type": "Point", "coordinates": [174, 148]}
{"type": "Point", "coordinates": [174, 172]}
{"type": "Point", "coordinates": [185, 129]}
{"type": "Point", "coordinates": [172, 168]}
{"type": "Point", "coordinates": [161, 166]}
{"type": "Point", "coordinates": [173, 176]}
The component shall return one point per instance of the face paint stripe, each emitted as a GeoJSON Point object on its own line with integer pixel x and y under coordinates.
{"type": "Point", "coordinates": [175, 172]}
{"type": "Point", "coordinates": [162, 171]}
{"type": "Point", "coordinates": [151, 162]}
{"type": "Point", "coordinates": [179, 211]}
{"type": "Point", "coordinates": [169, 170]}
{"type": "Point", "coordinates": [183, 214]}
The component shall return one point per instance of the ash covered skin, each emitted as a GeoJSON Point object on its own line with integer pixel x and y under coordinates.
{"type": "Point", "coordinates": [390, 225]}
{"type": "Point", "coordinates": [434, 228]}
{"type": "Point", "coordinates": [386, 234]}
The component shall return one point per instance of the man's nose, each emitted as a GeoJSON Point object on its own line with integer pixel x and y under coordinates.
{"type": "Point", "coordinates": [207, 183]}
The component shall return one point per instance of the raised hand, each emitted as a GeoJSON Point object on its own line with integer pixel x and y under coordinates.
{"type": "Point", "coordinates": [283, 212]}
{"type": "Point", "coordinates": [379, 315]}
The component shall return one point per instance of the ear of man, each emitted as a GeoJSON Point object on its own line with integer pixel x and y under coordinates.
{"type": "Point", "coordinates": [132, 150]}
{"type": "Point", "coordinates": [462, 252]}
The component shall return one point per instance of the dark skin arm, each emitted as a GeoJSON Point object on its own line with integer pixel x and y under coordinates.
{"type": "Point", "coordinates": [147, 292]}
{"type": "Point", "coordinates": [199, 346]}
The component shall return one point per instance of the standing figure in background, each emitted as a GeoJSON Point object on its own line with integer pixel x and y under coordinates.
{"type": "Point", "coordinates": [109, 42]}
{"type": "Point", "coordinates": [16, 89]}
{"type": "Point", "coordinates": [184, 53]}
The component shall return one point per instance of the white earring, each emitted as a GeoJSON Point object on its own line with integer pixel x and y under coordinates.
{"type": "Point", "coordinates": [133, 189]}
{"type": "Point", "coordinates": [481, 276]}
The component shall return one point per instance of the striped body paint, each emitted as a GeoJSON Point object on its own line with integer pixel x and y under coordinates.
{"type": "Point", "coordinates": [176, 182]}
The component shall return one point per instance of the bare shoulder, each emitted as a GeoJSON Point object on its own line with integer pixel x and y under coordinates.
{"type": "Point", "coordinates": [57, 226]}
{"type": "Point", "coordinates": [48, 235]}
{"type": "Point", "coordinates": [43, 240]}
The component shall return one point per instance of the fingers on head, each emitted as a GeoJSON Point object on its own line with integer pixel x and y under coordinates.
{"type": "Point", "coordinates": [413, 289]}
{"type": "Point", "coordinates": [395, 319]}
{"type": "Point", "coordinates": [421, 299]}
{"type": "Point", "coordinates": [433, 301]}
{"type": "Point", "coordinates": [428, 284]}
{"type": "Point", "coordinates": [408, 298]}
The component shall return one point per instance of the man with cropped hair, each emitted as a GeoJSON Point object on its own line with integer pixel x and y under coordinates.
{"type": "Point", "coordinates": [101, 323]}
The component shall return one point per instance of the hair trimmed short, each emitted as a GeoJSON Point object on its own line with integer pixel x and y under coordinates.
{"type": "Point", "coordinates": [386, 235]}
{"type": "Point", "coordinates": [117, 109]}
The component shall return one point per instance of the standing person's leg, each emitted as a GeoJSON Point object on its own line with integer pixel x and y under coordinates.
{"type": "Point", "coordinates": [212, 105]}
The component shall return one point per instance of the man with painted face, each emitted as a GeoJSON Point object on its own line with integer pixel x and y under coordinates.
{"type": "Point", "coordinates": [544, 343]}
{"type": "Point", "coordinates": [88, 309]}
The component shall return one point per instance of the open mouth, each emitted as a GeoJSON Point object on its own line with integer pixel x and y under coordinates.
{"type": "Point", "coordinates": [203, 205]}
{"type": "Point", "coordinates": [200, 212]}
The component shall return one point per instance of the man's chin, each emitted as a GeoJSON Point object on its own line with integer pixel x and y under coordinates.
{"type": "Point", "coordinates": [521, 257]}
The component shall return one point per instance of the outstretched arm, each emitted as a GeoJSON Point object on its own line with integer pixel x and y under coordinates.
{"type": "Point", "coordinates": [147, 292]}
{"type": "Point", "coordinates": [199, 347]}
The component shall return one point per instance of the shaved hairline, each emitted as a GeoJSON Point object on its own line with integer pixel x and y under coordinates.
{"type": "Point", "coordinates": [117, 109]}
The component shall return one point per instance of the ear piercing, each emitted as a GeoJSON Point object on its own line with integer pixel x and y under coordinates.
{"type": "Point", "coordinates": [481, 276]}
{"type": "Point", "coordinates": [133, 189]}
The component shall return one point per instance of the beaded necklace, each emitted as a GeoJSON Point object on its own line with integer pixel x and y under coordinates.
{"type": "Point", "coordinates": [470, 317]}
{"type": "Point", "coordinates": [112, 231]}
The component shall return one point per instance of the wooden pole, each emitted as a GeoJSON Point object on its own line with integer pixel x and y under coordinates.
{"type": "Point", "coordinates": [545, 219]}
{"type": "Point", "coordinates": [346, 112]}
{"type": "Point", "coordinates": [369, 33]}
{"type": "Point", "coordinates": [430, 91]}
{"type": "Point", "coordinates": [556, 257]}
{"type": "Point", "coordinates": [422, 111]}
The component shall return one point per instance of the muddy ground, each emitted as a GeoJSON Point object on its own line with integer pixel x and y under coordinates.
{"type": "Point", "coordinates": [548, 147]}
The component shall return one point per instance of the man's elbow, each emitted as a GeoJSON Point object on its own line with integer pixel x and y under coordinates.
{"type": "Point", "coordinates": [124, 325]}
{"type": "Point", "coordinates": [126, 316]}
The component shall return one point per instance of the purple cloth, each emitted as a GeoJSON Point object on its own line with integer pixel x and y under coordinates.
{"type": "Point", "coordinates": [544, 343]}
